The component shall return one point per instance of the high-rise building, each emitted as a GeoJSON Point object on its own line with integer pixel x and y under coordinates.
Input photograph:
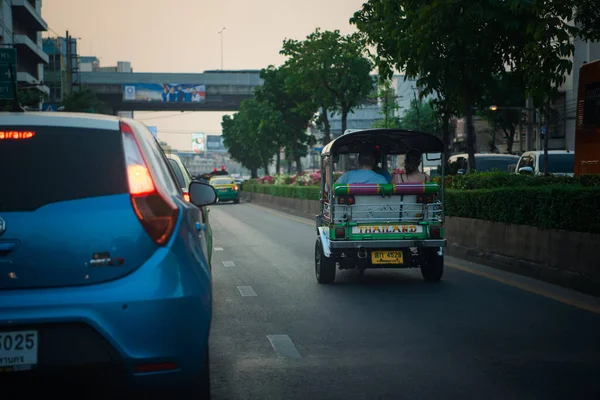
{"type": "Point", "coordinates": [21, 27]}
{"type": "Point", "coordinates": [61, 74]}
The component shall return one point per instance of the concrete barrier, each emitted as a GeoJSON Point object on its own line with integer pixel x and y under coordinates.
{"type": "Point", "coordinates": [565, 258]}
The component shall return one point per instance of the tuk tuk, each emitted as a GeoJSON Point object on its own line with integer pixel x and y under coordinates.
{"type": "Point", "coordinates": [362, 226]}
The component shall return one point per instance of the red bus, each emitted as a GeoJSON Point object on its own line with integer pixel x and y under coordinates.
{"type": "Point", "coordinates": [587, 131]}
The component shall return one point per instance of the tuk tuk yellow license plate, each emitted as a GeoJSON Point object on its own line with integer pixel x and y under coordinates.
{"type": "Point", "coordinates": [387, 257]}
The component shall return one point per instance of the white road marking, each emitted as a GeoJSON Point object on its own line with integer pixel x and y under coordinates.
{"type": "Point", "coordinates": [218, 249]}
{"type": "Point", "coordinates": [283, 346]}
{"type": "Point", "coordinates": [228, 264]}
{"type": "Point", "coordinates": [246, 291]}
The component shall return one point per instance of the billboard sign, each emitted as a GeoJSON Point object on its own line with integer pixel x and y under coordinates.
{"type": "Point", "coordinates": [164, 93]}
{"type": "Point", "coordinates": [198, 143]}
{"type": "Point", "coordinates": [215, 143]}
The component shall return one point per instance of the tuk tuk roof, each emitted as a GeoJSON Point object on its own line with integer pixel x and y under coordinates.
{"type": "Point", "coordinates": [391, 141]}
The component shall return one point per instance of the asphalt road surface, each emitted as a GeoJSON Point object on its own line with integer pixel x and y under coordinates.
{"type": "Point", "coordinates": [478, 334]}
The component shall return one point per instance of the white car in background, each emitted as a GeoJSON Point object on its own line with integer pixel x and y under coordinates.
{"type": "Point", "coordinates": [560, 163]}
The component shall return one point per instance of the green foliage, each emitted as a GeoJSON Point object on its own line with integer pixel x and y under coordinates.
{"type": "Point", "coordinates": [389, 107]}
{"type": "Point", "coordinates": [421, 116]}
{"type": "Point", "coordinates": [297, 192]}
{"type": "Point", "coordinates": [27, 98]}
{"type": "Point", "coordinates": [545, 58]}
{"type": "Point", "coordinates": [295, 107]}
{"type": "Point", "coordinates": [587, 17]}
{"type": "Point", "coordinates": [565, 207]}
{"type": "Point", "coordinates": [492, 180]}
{"type": "Point", "coordinates": [507, 92]}
{"type": "Point", "coordinates": [248, 135]}
{"type": "Point", "coordinates": [452, 48]}
{"type": "Point", "coordinates": [332, 67]}
{"type": "Point", "coordinates": [456, 48]}
{"type": "Point", "coordinates": [84, 100]}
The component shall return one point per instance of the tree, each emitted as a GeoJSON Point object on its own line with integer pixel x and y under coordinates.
{"type": "Point", "coordinates": [296, 110]}
{"type": "Point", "coordinates": [445, 109]}
{"type": "Point", "coordinates": [547, 56]}
{"type": "Point", "coordinates": [507, 95]}
{"type": "Point", "coordinates": [247, 135]}
{"type": "Point", "coordinates": [84, 100]}
{"type": "Point", "coordinates": [389, 107]}
{"type": "Point", "coordinates": [333, 68]}
{"type": "Point", "coordinates": [421, 116]}
{"type": "Point", "coordinates": [452, 48]}
{"type": "Point", "coordinates": [28, 97]}
{"type": "Point", "coordinates": [587, 18]}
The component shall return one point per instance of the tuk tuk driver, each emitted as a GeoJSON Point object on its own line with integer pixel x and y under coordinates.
{"type": "Point", "coordinates": [365, 173]}
{"type": "Point", "coordinates": [411, 173]}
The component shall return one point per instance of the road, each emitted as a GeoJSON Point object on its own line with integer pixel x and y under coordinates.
{"type": "Point", "coordinates": [480, 333]}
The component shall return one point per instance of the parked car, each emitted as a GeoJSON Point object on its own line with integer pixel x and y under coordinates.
{"type": "Point", "coordinates": [105, 266]}
{"type": "Point", "coordinates": [458, 163]}
{"type": "Point", "coordinates": [184, 178]}
{"type": "Point", "coordinates": [560, 162]}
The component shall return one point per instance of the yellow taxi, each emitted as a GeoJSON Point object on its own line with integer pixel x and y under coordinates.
{"type": "Point", "coordinates": [227, 189]}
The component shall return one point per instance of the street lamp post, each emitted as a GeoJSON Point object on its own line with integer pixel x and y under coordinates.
{"type": "Point", "coordinates": [221, 33]}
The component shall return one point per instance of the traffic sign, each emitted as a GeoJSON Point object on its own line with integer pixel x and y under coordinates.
{"type": "Point", "coordinates": [50, 107]}
{"type": "Point", "coordinates": [8, 56]}
{"type": "Point", "coordinates": [5, 73]}
{"type": "Point", "coordinates": [6, 91]}
{"type": "Point", "coordinates": [8, 61]}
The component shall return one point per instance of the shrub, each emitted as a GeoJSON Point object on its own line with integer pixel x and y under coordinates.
{"type": "Point", "coordinates": [491, 180]}
{"type": "Point", "coordinates": [294, 191]}
{"type": "Point", "coordinates": [565, 207]}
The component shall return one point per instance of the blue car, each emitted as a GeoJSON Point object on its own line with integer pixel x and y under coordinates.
{"type": "Point", "coordinates": [104, 265]}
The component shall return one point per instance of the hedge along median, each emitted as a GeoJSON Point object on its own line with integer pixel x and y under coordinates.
{"type": "Point", "coordinates": [544, 229]}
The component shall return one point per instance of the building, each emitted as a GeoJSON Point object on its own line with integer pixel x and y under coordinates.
{"type": "Point", "coordinates": [21, 27]}
{"type": "Point", "coordinates": [122, 66]}
{"type": "Point", "coordinates": [63, 62]}
{"type": "Point", "coordinates": [566, 104]}
{"type": "Point", "coordinates": [89, 64]}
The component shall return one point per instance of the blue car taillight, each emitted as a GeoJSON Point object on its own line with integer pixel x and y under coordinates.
{"type": "Point", "coordinates": [156, 211]}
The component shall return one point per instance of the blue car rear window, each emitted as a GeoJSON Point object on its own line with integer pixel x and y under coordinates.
{"type": "Point", "coordinates": [41, 165]}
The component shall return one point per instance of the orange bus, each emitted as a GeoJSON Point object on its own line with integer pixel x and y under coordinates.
{"type": "Point", "coordinates": [587, 131]}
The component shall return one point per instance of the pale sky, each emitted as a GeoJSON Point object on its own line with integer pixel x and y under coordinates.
{"type": "Point", "coordinates": [181, 36]}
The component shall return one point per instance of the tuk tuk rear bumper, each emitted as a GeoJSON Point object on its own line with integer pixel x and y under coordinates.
{"type": "Point", "coordinates": [385, 244]}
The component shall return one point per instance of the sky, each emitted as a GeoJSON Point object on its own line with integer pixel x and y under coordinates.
{"type": "Point", "coordinates": [181, 36]}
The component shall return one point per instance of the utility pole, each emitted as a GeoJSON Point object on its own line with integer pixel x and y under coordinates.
{"type": "Point", "coordinates": [69, 77]}
{"type": "Point", "coordinates": [221, 33]}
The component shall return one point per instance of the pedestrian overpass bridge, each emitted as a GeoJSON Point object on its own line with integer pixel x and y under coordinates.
{"type": "Point", "coordinates": [149, 91]}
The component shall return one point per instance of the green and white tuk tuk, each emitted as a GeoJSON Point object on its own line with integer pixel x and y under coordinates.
{"type": "Point", "coordinates": [364, 226]}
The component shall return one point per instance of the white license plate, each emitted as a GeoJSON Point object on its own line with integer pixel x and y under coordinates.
{"type": "Point", "coordinates": [18, 350]}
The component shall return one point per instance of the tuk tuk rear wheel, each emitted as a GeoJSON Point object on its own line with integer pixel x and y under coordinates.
{"type": "Point", "coordinates": [324, 266]}
{"type": "Point", "coordinates": [432, 267]}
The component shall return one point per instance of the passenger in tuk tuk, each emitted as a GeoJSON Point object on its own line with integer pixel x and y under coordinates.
{"type": "Point", "coordinates": [411, 173]}
{"type": "Point", "coordinates": [365, 173]}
